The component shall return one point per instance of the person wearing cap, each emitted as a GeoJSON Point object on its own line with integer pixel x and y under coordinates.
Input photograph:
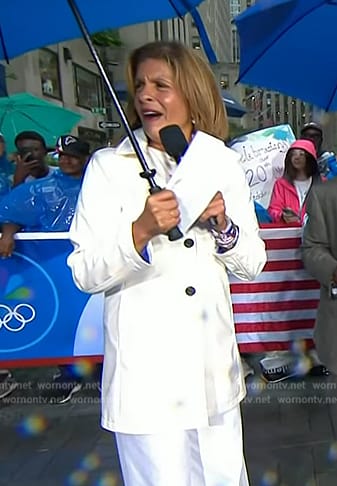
{"type": "Point", "coordinates": [287, 202]}
{"type": "Point", "coordinates": [326, 161]}
{"type": "Point", "coordinates": [48, 203]}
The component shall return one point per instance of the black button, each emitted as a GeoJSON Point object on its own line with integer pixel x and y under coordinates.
{"type": "Point", "coordinates": [190, 291]}
{"type": "Point", "coordinates": [188, 242]}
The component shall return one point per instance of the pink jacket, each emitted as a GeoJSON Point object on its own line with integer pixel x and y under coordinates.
{"type": "Point", "coordinates": [284, 195]}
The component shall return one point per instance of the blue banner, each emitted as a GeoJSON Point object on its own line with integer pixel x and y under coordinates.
{"type": "Point", "coordinates": [42, 314]}
{"type": "Point", "coordinates": [45, 319]}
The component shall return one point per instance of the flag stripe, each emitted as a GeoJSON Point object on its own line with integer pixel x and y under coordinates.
{"type": "Point", "coordinates": [280, 336]}
{"type": "Point", "coordinates": [282, 243]}
{"type": "Point", "coordinates": [285, 315]}
{"type": "Point", "coordinates": [245, 327]}
{"type": "Point", "coordinates": [288, 305]}
{"type": "Point", "coordinates": [286, 296]}
{"type": "Point", "coordinates": [254, 287]}
{"type": "Point", "coordinates": [274, 266]}
{"type": "Point", "coordinates": [263, 347]}
{"type": "Point", "coordinates": [280, 306]}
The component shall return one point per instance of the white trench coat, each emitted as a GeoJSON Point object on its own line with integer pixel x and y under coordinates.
{"type": "Point", "coordinates": [171, 358]}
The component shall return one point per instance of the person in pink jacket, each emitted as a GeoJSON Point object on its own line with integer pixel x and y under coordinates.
{"type": "Point", "coordinates": [287, 203]}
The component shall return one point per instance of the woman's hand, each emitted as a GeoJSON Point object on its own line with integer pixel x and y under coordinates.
{"type": "Point", "coordinates": [217, 209]}
{"type": "Point", "coordinates": [161, 214]}
{"type": "Point", "coordinates": [289, 216]}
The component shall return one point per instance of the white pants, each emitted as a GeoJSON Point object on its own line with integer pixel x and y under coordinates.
{"type": "Point", "coordinates": [210, 456]}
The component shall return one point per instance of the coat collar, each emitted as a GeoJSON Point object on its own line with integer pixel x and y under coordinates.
{"type": "Point", "coordinates": [125, 147]}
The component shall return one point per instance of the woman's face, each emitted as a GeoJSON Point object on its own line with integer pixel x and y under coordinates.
{"type": "Point", "coordinates": [298, 159]}
{"type": "Point", "coordinates": [159, 102]}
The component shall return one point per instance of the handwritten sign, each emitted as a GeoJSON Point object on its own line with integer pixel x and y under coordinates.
{"type": "Point", "coordinates": [262, 156]}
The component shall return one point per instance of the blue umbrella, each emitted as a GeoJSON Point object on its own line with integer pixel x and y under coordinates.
{"type": "Point", "coordinates": [290, 46]}
{"type": "Point", "coordinates": [233, 107]}
{"type": "Point", "coordinates": [19, 32]}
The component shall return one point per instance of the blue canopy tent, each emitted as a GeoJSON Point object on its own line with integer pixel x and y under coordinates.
{"type": "Point", "coordinates": [233, 107]}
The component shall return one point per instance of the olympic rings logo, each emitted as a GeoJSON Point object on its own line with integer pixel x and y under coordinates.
{"type": "Point", "coordinates": [16, 316]}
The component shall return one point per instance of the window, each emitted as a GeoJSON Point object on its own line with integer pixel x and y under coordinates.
{"type": "Point", "coordinates": [88, 88]}
{"type": "Point", "coordinates": [173, 29]}
{"type": "Point", "coordinates": [156, 31]}
{"type": "Point", "coordinates": [95, 138]}
{"type": "Point", "coordinates": [294, 115]}
{"type": "Point", "coordinates": [277, 109]}
{"type": "Point", "coordinates": [303, 111]}
{"type": "Point", "coordinates": [196, 42]}
{"type": "Point", "coordinates": [49, 73]}
{"type": "Point", "coordinates": [235, 46]}
{"type": "Point", "coordinates": [235, 8]}
{"type": "Point", "coordinates": [224, 81]}
{"type": "Point", "coordinates": [286, 109]}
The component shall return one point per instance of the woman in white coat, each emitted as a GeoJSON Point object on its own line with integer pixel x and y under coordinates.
{"type": "Point", "coordinates": [172, 379]}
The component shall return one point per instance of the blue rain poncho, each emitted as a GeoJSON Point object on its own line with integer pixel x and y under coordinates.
{"type": "Point", "coordinates": [6, 175]}
{"type": "Point", "coordinates": [46, 204]}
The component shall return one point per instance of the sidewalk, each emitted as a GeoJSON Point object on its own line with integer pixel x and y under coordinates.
{"type": "Point", "coordinates": [290, 437]}
{"type": "Point", "coordinates": [290, 433]}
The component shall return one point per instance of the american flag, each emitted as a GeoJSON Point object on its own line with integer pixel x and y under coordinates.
{"type": "Point", "coordinates": [279, 307]}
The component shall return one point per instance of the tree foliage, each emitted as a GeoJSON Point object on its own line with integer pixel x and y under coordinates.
{"type": "Point", "coordinates": [107, 38]}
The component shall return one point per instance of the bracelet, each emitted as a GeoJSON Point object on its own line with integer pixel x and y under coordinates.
{"type": "Point", "coordinates": [226, 239]}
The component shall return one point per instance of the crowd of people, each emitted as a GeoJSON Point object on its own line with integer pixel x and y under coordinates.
{"type": "Point", "coordinates": [37, 197]}
{"type": "Point", "coordinates": [173, 378]}
{"type": "Point", "coordinates": [307, 169]}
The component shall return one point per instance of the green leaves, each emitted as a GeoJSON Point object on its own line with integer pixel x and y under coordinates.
{"type": "Point", "coordinates": [108, 37]}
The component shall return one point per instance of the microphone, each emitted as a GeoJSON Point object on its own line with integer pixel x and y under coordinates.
{"type": "Point", "coordinates": [175, 144]}
{"type": "Point", "coordinates": [174, 141]}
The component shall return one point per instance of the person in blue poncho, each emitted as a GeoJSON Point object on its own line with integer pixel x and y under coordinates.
{"type": "Point", "coordinates": [47, 204]}
{"type": "Point", "coordinates": [6, 169]}
{"type": "Point", "coordinates": [31, 163]}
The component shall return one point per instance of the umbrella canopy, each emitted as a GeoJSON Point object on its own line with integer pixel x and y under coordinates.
{"type": "Point", "coordinates": [56, 22]}
{"type": "Point", "coordinates": [233, 107]}
{"type": "Point", "coordinates": [23, 111]}
{"type": "Point", "coordinates": [290, 46]}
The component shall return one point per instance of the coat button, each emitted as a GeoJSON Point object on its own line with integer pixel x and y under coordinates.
{"type": "Point", "coordinates": [190, 291]}
{"type": "Point", "coordinates": [188, 242]}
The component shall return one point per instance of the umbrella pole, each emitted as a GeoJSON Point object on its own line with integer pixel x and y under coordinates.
{"type": "Point", "coordinates": [148, 174]}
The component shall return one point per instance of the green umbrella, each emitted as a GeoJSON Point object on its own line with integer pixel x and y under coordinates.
{"type": "Point", "coordinates": [23, 111]}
